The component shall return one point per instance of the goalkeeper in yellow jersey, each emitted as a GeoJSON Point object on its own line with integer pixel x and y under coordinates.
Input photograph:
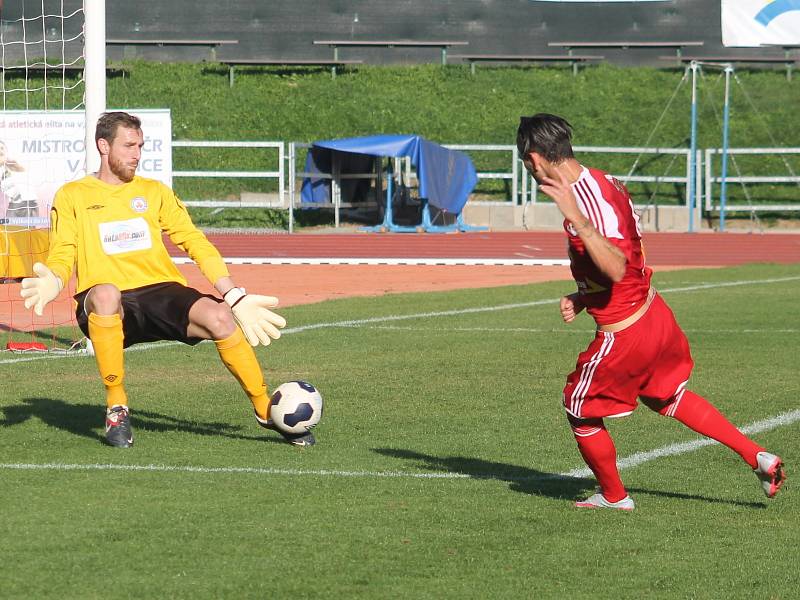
{"type": "Point", "coordinates": [108, 226]}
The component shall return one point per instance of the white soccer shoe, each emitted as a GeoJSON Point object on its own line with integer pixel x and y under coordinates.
{"type": "Point", "coordinates": [770, 472]}
{"type": "Point", "coordinates": [599, 501]}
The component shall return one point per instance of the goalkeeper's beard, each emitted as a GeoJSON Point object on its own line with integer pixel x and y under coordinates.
{"type": "Point", "coordinates": [123, 171]}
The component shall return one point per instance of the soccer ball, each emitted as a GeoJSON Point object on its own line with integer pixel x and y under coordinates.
{"type": "Point", "coordinates": [295, 407]}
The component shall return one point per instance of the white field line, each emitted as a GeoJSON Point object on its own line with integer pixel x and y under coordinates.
{"type": "Point", "coordinates": [570, 331]}
{"type": "Point", "coordinates": [28, 357]}
{"type": "Point", "coordinates": [444, 313]}
{"type": "Point", "coordinates": [634, 460]}
{"type": "Point", "coordinates": [499, 307]}
{"type": "Point", "coordinates": [226, 470]}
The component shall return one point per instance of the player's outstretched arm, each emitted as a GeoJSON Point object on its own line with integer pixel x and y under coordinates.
{"type": "Point", "coordinates": [40, 290]}
{"type": "Point", "coordinates": [251, 311]}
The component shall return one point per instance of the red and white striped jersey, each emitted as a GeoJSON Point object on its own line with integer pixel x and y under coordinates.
{"type": "Point", "coordinates": [605, 201]}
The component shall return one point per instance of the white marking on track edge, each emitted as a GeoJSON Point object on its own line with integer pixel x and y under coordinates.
{"type": "Point", "coordinates": [525, 260]}
{"type": "Point", "coordinates": [632, 461]}
{"type": "Point", "coordinates": [444, 313]}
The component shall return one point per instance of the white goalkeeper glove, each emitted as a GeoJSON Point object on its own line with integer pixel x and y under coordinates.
{"type": "Point", "coordinates": [40, 290]}
{"type": "Point", "coordinates": [250, 311]}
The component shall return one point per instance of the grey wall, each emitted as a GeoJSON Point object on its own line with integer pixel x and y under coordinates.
{"type": "Point", "coordinates": [286, 29]}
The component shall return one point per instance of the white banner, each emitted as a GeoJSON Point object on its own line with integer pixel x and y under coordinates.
{"type": "Point", "coordinates": [40, 151]}
{"type": "Point", "coordinates": [760, 22]}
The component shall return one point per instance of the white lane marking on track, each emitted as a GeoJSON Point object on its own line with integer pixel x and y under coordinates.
{"type": "Point", "coordinates": [634, 460]}
{"type": "Point", "coordinates": [443, 313]}
{"type": "Point", "coordinates": [525, 261]}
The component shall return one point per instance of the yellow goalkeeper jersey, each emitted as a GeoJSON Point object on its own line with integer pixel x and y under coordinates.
{"type": "Point", "coordinates": [113, 234]}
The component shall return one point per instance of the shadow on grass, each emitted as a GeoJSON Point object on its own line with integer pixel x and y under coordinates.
{"type": "Point", "coordinates": [86, 420]}
{"type": "Point", "coordinates": [521, 479]}
{"type": "Point", "coordinates": [532, 481]}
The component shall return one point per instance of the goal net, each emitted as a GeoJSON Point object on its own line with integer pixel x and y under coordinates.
{"type": "Point", "coordinates": [51, 87]}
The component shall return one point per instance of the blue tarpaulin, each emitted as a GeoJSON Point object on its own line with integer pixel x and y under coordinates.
{"type": "Point", "coordinates": [446, 177]}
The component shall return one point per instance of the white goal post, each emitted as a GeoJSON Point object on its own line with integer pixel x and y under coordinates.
{"type": "Point", "coordinates": [94, 56]}
{"type": "Point", "coordinates": [43, 44]}
{"type": "Point", "coordinates": [53, 89]}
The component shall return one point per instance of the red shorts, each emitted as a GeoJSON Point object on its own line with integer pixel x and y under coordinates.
{"type": "Point", "coordinates": [651, 358]}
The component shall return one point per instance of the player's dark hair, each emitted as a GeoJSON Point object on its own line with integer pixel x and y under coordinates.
{"type": "Point", "coordinates": [548, 135]}
{"type": "Point", "coordinates": [109, 122]}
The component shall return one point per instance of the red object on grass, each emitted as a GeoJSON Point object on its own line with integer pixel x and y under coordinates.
{"type": "Point", "coordinates": [26, 347]}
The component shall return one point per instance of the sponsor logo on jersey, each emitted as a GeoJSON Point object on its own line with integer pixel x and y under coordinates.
{"type": "Point", "coordinates": [587, 286]}
{"type": "Point", "coordinates": [125, 236]}
{"type": "Point", "coordinates": [617, 184]}
{"type": "Point", "coordinates": [95, 207]}
{"type": "Point", "coordinates": [139, 204]}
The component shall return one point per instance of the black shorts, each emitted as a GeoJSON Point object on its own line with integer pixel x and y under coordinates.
{"type": "Point", "coordinates": [152, 313]}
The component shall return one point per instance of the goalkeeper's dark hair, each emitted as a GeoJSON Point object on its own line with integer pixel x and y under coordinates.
{"type": "Point", "coordinates": [545, 134]}
{"type": "Point", "coordinates": [109, 122]}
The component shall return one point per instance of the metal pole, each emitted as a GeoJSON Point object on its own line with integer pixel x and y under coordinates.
{"type": "Point", "coordinates": [336, 186]}
{"type": "Point", "coordinates": [281, 174]}
{"type": "Point", "coordinates": [292, 176]}
{"type": "Point", "coordinates": [693, 146]}
{"type": "Point", "coordinates": [388, 218]}
{"type": "Point", "coordinates": [515, 199]}
{"type": "Point", "coordinates": [95, 75]}
{"type": "Point", "coordinates": [725, 122]}
{"type": "Point", "coordinates": [707, 177]}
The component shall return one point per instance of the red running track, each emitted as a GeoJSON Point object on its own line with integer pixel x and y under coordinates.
{"type": "Point", "coordinates": [686, 249]}
{"type": "Point", "coordinates": [300, 284]}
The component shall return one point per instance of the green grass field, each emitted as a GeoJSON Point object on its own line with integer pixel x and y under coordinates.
{"type": "Point", "coordinates": [440, 469]}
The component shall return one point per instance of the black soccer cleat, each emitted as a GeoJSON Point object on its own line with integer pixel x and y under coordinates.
{"type": "Point", "coordinates": [305, 438]}
{"type": "Point", "coordinates": [118, 427]}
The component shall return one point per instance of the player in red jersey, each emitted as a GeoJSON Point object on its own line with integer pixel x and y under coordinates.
{"type": "Point", "coordinates": [638, 351]}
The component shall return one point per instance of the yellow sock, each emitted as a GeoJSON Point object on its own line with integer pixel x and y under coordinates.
{"type": "Point", "coordinates": [241, 361]}
{"type": "Point", "coordinates": [105, 331]}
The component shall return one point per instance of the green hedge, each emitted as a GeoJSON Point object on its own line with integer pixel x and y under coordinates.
{"type": "Point", "coordinates": [608, 106]}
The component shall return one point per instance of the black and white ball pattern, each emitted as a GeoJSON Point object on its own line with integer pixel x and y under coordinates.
{"type": "Point", "coordinates": [296, 406]}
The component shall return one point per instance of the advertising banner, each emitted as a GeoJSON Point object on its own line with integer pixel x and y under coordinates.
{"type": "Point", "coordinates": [39, 152]}
{"type": "Point", "coordinates": [747, 23]}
